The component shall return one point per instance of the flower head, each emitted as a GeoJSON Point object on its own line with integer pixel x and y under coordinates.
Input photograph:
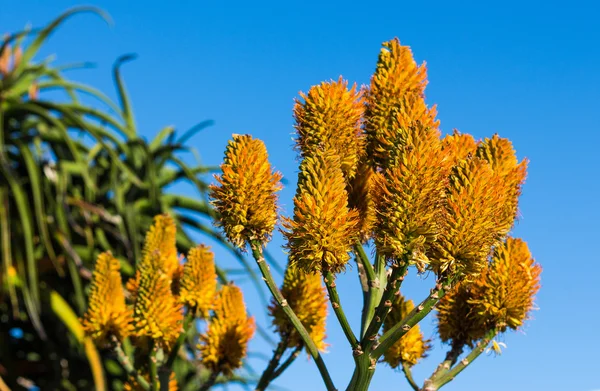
{"type": "Point", "coordinates": [458, 146]}
{"type": "Point", "coordinates": [323, 229]}
{"type": "Point", "coordinates": [306, 295]}
{"type": "Point", "coordinates": [503, 296]}
{"type": "Point", "coordinates": [161, 237]}
{"type": "Point", "coordinates": [225, 343]}
{"type": "Point", "coordinates": [156, 311]}
{"type": "Point", "coordinates": [199, 281]}
{"type": "Point", "coordinates": [245, 197]}
{"type": "Point", "coordinates": [330, 117]}
{"type": "Point", "coordinates": [395, 101]}
{"type": "Point", "coordinates": [412, 346]}
{"type": "Point", "coordinates": [500, 298]}
{"type": "Point", "coordinates": [107, 314]}
{"type": "Point", "coordinates": [471, 223]}
{"type": "Point", "coordinates": [360, 197]}
{"type": "Point", "coordinates": [408, 198]}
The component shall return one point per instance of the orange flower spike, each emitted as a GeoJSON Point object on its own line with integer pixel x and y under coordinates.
{"type": "Point", "coordinates": [471, 223]}
{"type": "Point", "coordinates": [307, 296]}
{"type": "Point", "coordinates": [156, 311]}
{"type": "Point", "coordinates": [245, 197]}
{"type": "Point", "coordinates": [107, 314]}
{"type": "Point", "coordinates": [458, 146]}
{"type": "Point", "coordinates": [330, 117]}
{"type": "Point", "coordinates": [503, 296]}
{"type": "Point", "coordinates": [500, 153]}
{"type": "Point", "coordinates": [199, 281]}
{"type": "Point", "coordinates": [225, 343]}
{"type": "Point", "coordinates": [323, 229]}
{"type": "Point", "coordinates": [395, 101]}
{"type": "Point", "coordinates": [360, 197]}
{"type": "Point", "coordinates": [408, 198]}
{"type": "Point", "coordinates": [162, 238]}
{"type": "Point", "coordinates": [457, 323]}
{"type": "Point", "coordinates": [412, 347]}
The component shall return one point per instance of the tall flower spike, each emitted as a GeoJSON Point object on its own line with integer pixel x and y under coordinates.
{"type": "Point", "coordinates": [503, 296]}
{"type": "Point", "coordinates": [323, 229]}
{"type": "Point", "coordinates": [360, 197]}
{"type": "Point", "coordinates": [157, 313]}
{"type": "Point", "coordinates": [225, 343]}
{"type": "Point", "coordinates": [472, 219]}
{"type": "Point", "coordinates": [306, 295]}
{"type": "Point", "coordinates": [107, 313]}
{"type": "Point", "coordinates": [246, 197]}
{"type": "Point", "coordinates": [500, 153]}
{"type": "Point", "coordinates": [199, 281]}
{"type": "Point", "coordinates": [458, 146]}
{"type": "Point", "coordinates": [395, 101]}
{"type": "Point", "coordinates": [412, 346]}
{"type": "Point", "coordinates": [330, 117]}
{"type": "Point", "coordinates": [408, 198]}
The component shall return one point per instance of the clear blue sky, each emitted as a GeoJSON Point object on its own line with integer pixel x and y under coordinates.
{"type": "Point", "coordinates": [527, 70]}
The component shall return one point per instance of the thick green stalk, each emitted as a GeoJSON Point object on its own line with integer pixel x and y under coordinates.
{"type": "Point", "coordinates": [293, 318]}
{"type": "Point", "coordinates": [267, 375]}
{"type": "Point", "coordinates": [125, 362]}
{"type": "Point", "coordinates": [436, 382]}
{"type": "Point", "coordinates": [334, 298]}
{"type": "Point", "coordinates": [414, 317]}
{"type": "Point", "coordinates": [288, 361]}
{"type": "Point", "coordinates": [152, 367]}
{"type": "Point", "coordinates": [409, 377]}
{"type": "Point", "coordinates": [371, 287]}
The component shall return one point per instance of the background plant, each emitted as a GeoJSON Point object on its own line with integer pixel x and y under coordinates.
{"type": "Point", "coordinates": [76, 180]}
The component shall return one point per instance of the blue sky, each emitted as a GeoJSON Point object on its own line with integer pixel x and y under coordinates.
{"type": "Point", "coordinates": [527, 70]}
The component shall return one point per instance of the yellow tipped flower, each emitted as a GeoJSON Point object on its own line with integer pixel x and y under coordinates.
{"type": "Point", "coordinates": [323, 229]}
{"type": "Point", "coordinates": [245, 197]}
{"type": "Point", "coordinates": [472, 218]}
{"type": "Point", "coordinates": [133, 385]}
{"type": "Point", "coordinates": [360, 197]}
{"type": "Point", "coordinates": [500, 153]}
{"type": "Point", "coordinates": [306, 295]}
{"type": "Point", "coordinates": [503, 296]}
{"type": "Point", "coordinates": [408, 198]}
{"type": "Point", "coordinates": [225, 343]}
{"type": "Point", "coordinates": [199, 281]}
{"type": "Point", "coordinates": [458, 146]}
{"type": "Point", "coordinates": [330, 118]}
{"type": "Point", "coordinates": [107, 313]}
{"type": "Point", "coordinates": [156, 311]}
{"type": "Point", "coordinates": [395, 101]}
{"type": "Point", "coordinates": [162, 238]}
{"type": "Point", "coordinates": [500, 298]}
{"type": "Point", "coordinates": [412, 346]}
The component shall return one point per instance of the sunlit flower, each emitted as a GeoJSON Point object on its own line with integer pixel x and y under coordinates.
{"type": "Point", "coordinates": [412, 346]}
{"type": "Point", "coordinates": [323, 229]}
{"type": "Point", "coordinates": [245, 197]}
{"type": "Point", "coordinates": [107, 314]}
{"type": "Point", "coordinates": [458, 146]}
{"type": "Point", "coordinates": [360, 197]}
{"type": "Point", "coordinates": [225, 343]}
{"type": "Point", "coordinates": [408, 198]}
{"type": "Point", "coordinates": [156, 311]}
{"type": "Point", "coordinates": [306, 295]}
{"type": "Point", "coordinates": [199, 281]}
{"type": "Point", "coordinates": [456, 318]}
{"type": "Point", "coordinates": [395, 101]}
{"type": "Point", "coordinates": [330, 117]}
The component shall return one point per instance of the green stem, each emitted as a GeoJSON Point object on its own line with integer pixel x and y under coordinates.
{"type": "Point", "coordinates": [125, 362]}
{"type": "Point", "coordinates": [408, 374]}
{"type": "Point", "coordinates": [334, 298]}
{"type": "Point", "coordinates": [267, 375]}
{"type": "Point", "coordinates": [371, 286]}
{"type": "Point", "coordinates": [164, 373]}
{"type": "Point", "coordinates": [435, 383]}
{"type": "Point", "coordinates": [287, 362]}
{"type": "Point", "coordinates": [210, 381]}
{"type": "Point", "coordinates": [451, 357]}
{"type": "Point", "coordinates": [414, 317]}
{"type": "Point", "coordinates": [152, 367]}
{"type": "Point", "coordinates": [310, 344]}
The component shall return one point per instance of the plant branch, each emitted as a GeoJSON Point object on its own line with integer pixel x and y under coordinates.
{"type": "Point", "coordinates": [210, 381]}
{"type": "Point", "coordinates": [414, 317]}
{"type": "Point", "coordinates": [165, 370]}
{"type": "Point", "coordinates": [451, 357]}
{"type": "Point", "coordinates": [435, 383]}
{"type": "Point", "coordinates": [125, 362]}
{"type": "Point", "coordinates": [334, 298]}
{"type": "Point", "coordinates": [408, 374]}
{"type": "Point", "coordinates": [293, 318]}
{"type": "Point", "coordinates": [267, 375]}
{"type": "Point", "coordinates": [287, 362]}
{"type": "Point", "coordinates": [152, 367]}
